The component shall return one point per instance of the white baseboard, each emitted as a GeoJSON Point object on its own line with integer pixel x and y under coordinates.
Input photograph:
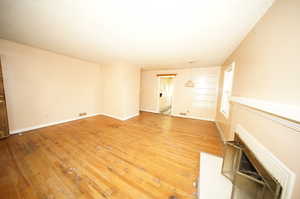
{"type": "Point", "coordinates": [131, 116]}
{"type": "Point", "coordinates": [121, 118]}
{"type": "Point", "coordinates": [183, 116]}
{"type": "Point", "coordinates": [50, 124]}
{"type": "Point", "coordinates": [91, 115]}
{"type": "Point", "coordinates": [148, 110]}
{"type": "Point", "coordinates": [221, 132]}
{"type": "Point", "coordinates": [112, 116]}
{"type": "Point", "coordinates": [68, 120]}
{"type": "Point", "coordinates": [193, 117]}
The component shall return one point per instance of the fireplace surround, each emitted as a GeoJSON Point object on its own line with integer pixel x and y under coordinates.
{"type": "Point", "coordinates": [249, 177]}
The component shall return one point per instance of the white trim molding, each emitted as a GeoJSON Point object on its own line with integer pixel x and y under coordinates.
{"type": "Point", "coordinates": [50, 124]}
{"type": "Point", "coordinates": [131, 116]}
{"type": "Point", "coordinates": [112, 116]}
{"type": "Point", "coordinates": [286, 111]}
{"type": "Point", "coordinates": [279, 120]}
{"type": "Point", "coordinates": [69, 120]}
{"type": "Point", "coordinates": [183, 116]}
{"type": "Point", "coordinates": [193, 117]}
{"type": "Point", "coordinates": [121, 118]}
{"type": "Point", "coordinates": [148, 110]}
{"type": "Point", "coordinates": [276, 168]}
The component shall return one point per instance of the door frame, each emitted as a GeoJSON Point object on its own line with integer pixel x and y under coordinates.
{"type": "Point", "coordinates": [4, 101]}
{"type": "Point", "coordinates": [158, 89]}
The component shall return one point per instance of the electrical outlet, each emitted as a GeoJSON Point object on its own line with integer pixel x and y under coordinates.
{"type": "Point", "coordinates": [82, 114]}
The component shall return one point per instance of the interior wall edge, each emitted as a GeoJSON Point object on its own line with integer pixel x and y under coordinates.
{"type": "Point", "coordinates": [221, 132]}
{"type": "Point", "coordinates": [131, 116]}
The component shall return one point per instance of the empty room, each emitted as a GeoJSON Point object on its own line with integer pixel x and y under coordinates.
{"type": "Point", "coordinates": [136, 99]}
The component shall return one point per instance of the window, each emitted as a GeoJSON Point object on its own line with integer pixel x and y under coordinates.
{"type": "Point", "coordinates": [227, 87]}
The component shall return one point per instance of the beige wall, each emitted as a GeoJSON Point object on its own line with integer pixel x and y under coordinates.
{"type": "Point", "coordinates": [197, 102]}
{"type": "Point", "coordinates": [121, 86]}
{"type": "Point", "coordinates": [43, 87]}
{"type": "Point", "coordinates": [112, 95]}
{"type": "Point", "coordinates": [267, 68]}
{"type": "Point", "coordinates": [131, 90]}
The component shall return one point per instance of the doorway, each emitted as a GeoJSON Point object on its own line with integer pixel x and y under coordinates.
{"type": "Point", "coordinates": [166, 87]}
{"type": "Point", "coordinates": [4, 130]}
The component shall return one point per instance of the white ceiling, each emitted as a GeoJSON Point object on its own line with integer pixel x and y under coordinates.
{"type": "Point", "coordinates": [151, 33]}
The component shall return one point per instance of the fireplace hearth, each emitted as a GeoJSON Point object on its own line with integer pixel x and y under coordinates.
{"type": "Point", "coordinates": [249, 177]}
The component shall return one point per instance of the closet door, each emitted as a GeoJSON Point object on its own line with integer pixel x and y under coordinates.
{"type": "Point", "coordinates": [4, 130]}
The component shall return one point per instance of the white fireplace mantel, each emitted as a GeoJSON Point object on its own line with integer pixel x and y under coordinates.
{"type": "Point", "coordinates": [275, 167]}
{"type": "Point", "coordinates": [286, 111]}
{"type": "Point", "coordinates": [286, 115]}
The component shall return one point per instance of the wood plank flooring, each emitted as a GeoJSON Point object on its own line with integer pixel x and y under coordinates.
{"type": "Point", "coordinates": [148, 157]}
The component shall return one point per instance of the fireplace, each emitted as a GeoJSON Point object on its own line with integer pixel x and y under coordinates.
{"type": "Point", "coordinates": [249, 177]}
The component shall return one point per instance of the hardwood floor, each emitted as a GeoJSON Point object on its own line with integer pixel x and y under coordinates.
{"type": "Point", "coordinates": [150, 156]}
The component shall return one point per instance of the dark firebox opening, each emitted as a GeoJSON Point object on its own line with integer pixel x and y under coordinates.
{"type": "Point", "coordinates": [247, 168]}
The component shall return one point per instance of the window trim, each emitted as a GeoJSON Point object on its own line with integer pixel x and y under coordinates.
{"type": "Point", "coordinates": [230, 68]}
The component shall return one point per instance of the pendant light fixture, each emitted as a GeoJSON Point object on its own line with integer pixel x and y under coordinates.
{"type": "Point", "coordinates": [190, 82]}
